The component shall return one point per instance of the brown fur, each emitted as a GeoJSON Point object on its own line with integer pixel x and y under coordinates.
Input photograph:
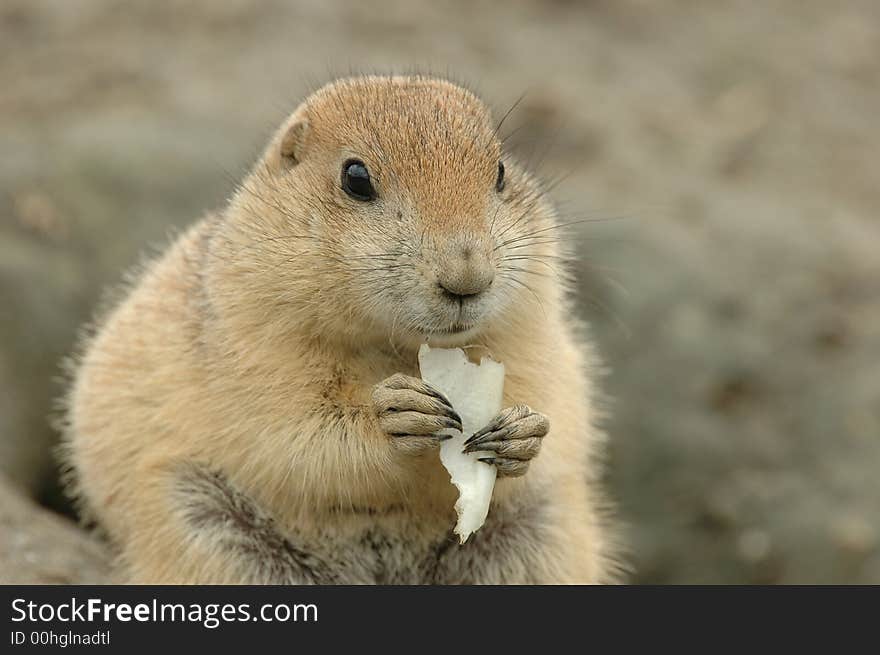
{"type": "Point", "coordinates": [220, 423]}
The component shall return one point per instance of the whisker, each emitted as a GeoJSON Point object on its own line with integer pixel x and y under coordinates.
{"type": "Point", "coordinates": [519, 269]}
{"type": "Point", "coordinates": [380, 268]}
{"type": "Point", "coordinates": [530, 258]}
{"type": "Point", "coordinates": [515, 222]}
{"type": "Point", "coordinates": [536, 255]}
{"type": "Point", "coordinates": [535, 241]}
{"type": "Point", "coordinates": [509, 112]}
{"type": "Point", "coordinates": [513, 279]}
{"type": "Point", "coordinates": [557, 226]}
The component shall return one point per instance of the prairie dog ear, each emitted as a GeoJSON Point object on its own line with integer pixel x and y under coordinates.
{"type": "Point", "coordinates": [293, 142]}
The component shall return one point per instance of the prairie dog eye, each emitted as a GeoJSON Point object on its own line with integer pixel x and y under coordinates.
{"type": "Point", "coordinates": [499, 182]}
{"type": "Point", "coordinates": [356, 180]}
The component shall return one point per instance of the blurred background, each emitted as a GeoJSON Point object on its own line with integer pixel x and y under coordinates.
{"type": "Point", "coordinates": [735, 296]}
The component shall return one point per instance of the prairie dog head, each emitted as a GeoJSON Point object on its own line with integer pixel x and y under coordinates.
{"type": "Point", "coordinates": [389, 202]}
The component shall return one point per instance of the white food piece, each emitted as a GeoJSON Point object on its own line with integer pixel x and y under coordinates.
{"type": "Point", "coordinates": [475, 391]}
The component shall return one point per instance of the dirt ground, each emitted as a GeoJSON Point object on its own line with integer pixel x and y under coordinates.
{"type": "Point", "coordinates": [735, 295]}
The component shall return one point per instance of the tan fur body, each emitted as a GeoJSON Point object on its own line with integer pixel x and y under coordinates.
{"type": "Point", "coordinates": [248, 352]}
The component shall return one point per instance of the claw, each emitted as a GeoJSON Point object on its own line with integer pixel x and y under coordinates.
{"type": "Point", "coordinates": [437, 437]}
{"type": "Point", "coordinates": [479, 433]}
{"type": "Point", "coordinates": [507, 467]}
{"type": "Point", "coordinates": [476, 446]}
{"type": "Point", "coordinates": [451, 413]}
{"type": "Point", "coordinates": [431, 391]}
{"type": "Point", "coordinates": [484, 435]}
{"type": "Point", "coordinates": [453, 423]}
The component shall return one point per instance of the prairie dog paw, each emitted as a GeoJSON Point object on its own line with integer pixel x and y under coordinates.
{"type": "Point", "coordinates": [511, 439]}
{"type": "Point", "coordinates": [412, 412]}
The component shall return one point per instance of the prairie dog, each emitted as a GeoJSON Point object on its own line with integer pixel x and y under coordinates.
{"type": "Point", "coordinates": [252, 411]}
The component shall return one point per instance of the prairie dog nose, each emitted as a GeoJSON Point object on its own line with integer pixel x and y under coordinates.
{"type": "Point", "coordinates": [465, 272]}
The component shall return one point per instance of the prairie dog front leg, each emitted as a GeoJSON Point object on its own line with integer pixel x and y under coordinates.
{"type": "Point", "coordinates": [411, 412]}
{"type": "Point", "coordinates": [513, 437]}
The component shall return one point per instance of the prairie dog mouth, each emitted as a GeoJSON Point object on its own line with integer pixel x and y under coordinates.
{"type": "Point", "coordinates": [454, 330]}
